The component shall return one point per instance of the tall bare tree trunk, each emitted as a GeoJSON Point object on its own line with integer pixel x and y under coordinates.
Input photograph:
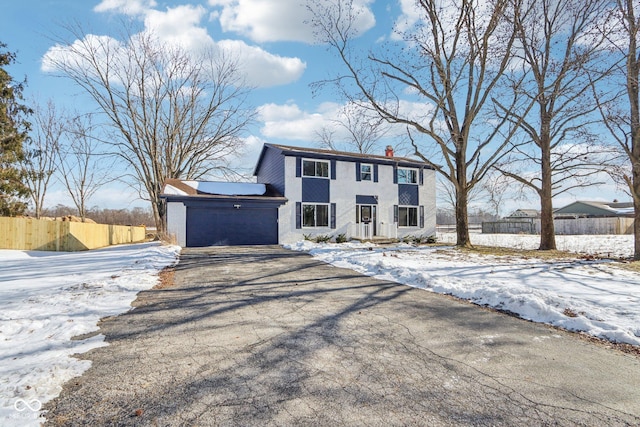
{"type": "Point", "coordinates": [462, 201]}
{"type": "Point", "coordinates": [547, 230]}
{"type": "Point", "coordinates": [633, 71]}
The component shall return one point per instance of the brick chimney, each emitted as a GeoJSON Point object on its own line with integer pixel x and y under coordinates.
{"type": "Point", "coordinates": [388, 152]}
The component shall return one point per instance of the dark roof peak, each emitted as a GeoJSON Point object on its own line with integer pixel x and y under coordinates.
{"type": "Point", "coordinates": [365, 156]}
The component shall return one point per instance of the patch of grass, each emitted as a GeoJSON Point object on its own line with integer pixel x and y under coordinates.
{"type": "Point", "coordinates": [629, 265]}
{"type": "Point", "coordinates": [523, 253]}
{"type": "Point", "coordinates": [341, 238]}
{"type": "Point", "coordinates": [166, 278]}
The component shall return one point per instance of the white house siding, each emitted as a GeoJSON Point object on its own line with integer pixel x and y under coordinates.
{"type": "Point", "coordinates": [177, 222]}
{"type": "Point", "coordinates": [287, 212]}
{"type": "Point", "coordinates": [343, 191]}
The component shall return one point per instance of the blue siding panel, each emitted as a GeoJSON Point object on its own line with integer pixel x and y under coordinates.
{"type": "Point", "coordinates": [272, 170]}
{"type": "Point", "coordinates": [408, 194]}
{"type": "Point", "coordinates": [315, 190]}
{"type": "Point", "coordinates": [366, 200]}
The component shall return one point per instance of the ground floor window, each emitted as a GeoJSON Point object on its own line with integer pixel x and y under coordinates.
{"type": "Point", "coordinates": [407, 216]}
{"type": "Point", "coordinates": [315, 215]}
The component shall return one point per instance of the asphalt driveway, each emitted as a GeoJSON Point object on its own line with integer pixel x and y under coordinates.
{"type": "Point", "coordinates": [256, 336]}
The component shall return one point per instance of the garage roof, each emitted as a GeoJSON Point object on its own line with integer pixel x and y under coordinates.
{"type": "Point", "coordinates": [215, 189]}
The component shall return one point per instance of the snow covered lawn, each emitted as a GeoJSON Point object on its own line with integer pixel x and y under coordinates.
{"type": "Point", "coordinates": [595, 297]}
{"type": "Point", "coordinates": [46, 298]}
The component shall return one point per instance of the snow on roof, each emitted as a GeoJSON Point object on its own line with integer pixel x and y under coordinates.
{"type": "Point", "coordinates": [170, 189]}
{"type": "Point", "coordinates": [624, 211]}
{"type": "Point", "coordinates": [228, 188]}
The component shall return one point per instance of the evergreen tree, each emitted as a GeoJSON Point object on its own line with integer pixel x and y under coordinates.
{"type": "Point", "coordinates": [13, 132]}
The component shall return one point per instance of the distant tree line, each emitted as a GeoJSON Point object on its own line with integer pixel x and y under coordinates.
{"type": "Point", "coordinates": [446, 216]}
{"type": "Point", "coordinates": [133, 216]}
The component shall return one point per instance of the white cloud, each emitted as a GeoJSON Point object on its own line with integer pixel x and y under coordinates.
{"type": "Point", "coordinates": [181, 25]}
{"type": "Point", "coordinates": [288, 121]}
{"type": "Point", "coordinates": [410, 15]}
{"type": "Point", "coordinates": [127, 7]}
{"type": "Point", "coordinates": [264, 69]}
{"type": "Point", "coordinates": [282, 20]}
{"type": "Point", "coordinates": [73, 55]}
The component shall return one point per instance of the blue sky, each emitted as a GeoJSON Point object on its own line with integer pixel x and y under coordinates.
{"type": "Point", "coordinates": [270, 35]}
{"type": "Point", "coordinates": [280, 42]}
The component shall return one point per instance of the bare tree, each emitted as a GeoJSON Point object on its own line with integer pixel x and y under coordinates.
{"type": "Point", "coordinates": [39, 161]}
{"type": "Point", "coordinates": [452, 60]}
{"type": "Point", "coordinates": [557, 49]}
{"type": "Point", "coordinates": [495, 187]}
{"type": "Point", "coordinates": [82, 169]}
{"type": "Point", "coordinates": [622, 117]}
{"type": "Point", "coordinates": [173, 113]}
{"type": "Point", "coordinates": [356, 130]}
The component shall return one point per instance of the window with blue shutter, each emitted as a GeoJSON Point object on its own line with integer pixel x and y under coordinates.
{"type": "Point", "coordinates": [375, 173]}
{"type": "Point", "coordinates": [333, 215]}
{"type": "Point", "coordinates": [421, 216]}
{"type": "Point", "coordinates": [358, 171]}
{"type": "Point", "coordinates": [298, 167]}
{"type": "Point", "coordinates": [333, 169]}
{"type": "Point", "coordinates": [395, 213]}
{"type": "Point", "coordinates": [298, 215]}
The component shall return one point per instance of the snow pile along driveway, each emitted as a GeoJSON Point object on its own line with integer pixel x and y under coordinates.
{"type": "Point", "coordinates": [594, 297]}
{"type": "Point", "coordinates": [46, 298]}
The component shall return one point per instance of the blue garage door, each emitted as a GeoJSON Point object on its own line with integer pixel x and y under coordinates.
{"type": "Point", "coordinates": [228, 226]}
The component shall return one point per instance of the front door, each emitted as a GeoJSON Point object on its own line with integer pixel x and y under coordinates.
{"type": "Point", "coordinates": [368, 216]}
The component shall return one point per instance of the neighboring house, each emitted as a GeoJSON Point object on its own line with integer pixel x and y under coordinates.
{"type": "Point", "coordinates": [523, 214]}
{"type": "Point", "coordinates": [580, 217]}
{"type": "Point", "coordinates": [310, 192]}
{"type": "Point", "coordinates": [584, 209]}
{"type": "Point", "coordinates": [521, 221]}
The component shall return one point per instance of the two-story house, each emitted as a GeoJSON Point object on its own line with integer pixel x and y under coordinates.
{"type": "Point", "coordinates": [306, 191]}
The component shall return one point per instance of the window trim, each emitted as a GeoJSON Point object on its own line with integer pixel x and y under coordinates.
{"type": "Point", "coordinates": [413, 171]}
{"type": "Point", "coordinates": [316, 162]}
{"type": "Point", "coordinates": [370, 172]}
{"type": "Point", "coordinates": [416, 217]}
{"type": "Point", "coordinates": [315, 215]}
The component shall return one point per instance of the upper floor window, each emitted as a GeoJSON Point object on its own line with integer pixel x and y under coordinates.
{"type": "Point", "coordinates": [407, 176]}
{"type": "Point", "coordinates": [315, 168]}
{"type": "Point", "coordinates": [366, 172]}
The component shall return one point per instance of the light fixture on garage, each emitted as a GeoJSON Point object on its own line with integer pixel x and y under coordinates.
{"type": "Point", "coordinates": [237, 206]}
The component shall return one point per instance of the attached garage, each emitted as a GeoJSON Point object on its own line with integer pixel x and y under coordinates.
{"type": "Point", "coordinates": [225, 225]}
{"type": "Point", "coordinates": [199, 215]}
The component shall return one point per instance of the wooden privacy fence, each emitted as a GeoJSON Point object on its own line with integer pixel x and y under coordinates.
{"type": "Point", "coordinates": [42, 235]}
{"type": "Point", "coordinates": [577, 226]}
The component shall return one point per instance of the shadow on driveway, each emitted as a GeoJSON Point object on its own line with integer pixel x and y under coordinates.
{"type": "Point", "coordinates": [266, 336]}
